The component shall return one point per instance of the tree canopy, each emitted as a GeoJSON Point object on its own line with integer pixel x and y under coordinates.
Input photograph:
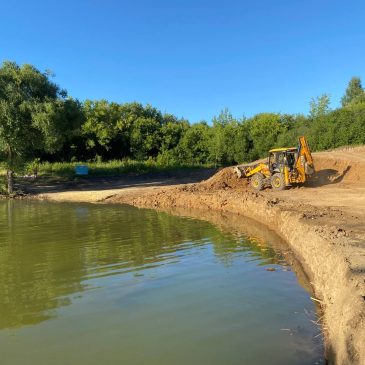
{"type": "Point", "coordinates": [38, 120]}
{"type": "Point", "coordinates": [319, 106]}
{"type": "Point", "coordinates": [354, 93]}
{"type": "Point", "coordinates": [35, 115]}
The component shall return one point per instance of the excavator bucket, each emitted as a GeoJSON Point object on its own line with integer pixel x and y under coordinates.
{"type": "Point", "coordinates": [240, 171]}
{"type": "Point", "coordinates": [304, 152]}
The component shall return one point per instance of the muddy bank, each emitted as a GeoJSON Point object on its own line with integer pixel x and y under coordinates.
{"type": "Point", "coordinates": [323, 222]}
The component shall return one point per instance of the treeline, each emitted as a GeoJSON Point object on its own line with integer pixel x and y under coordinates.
{"type": "Point", "coordinates": [39, 120]}
{"type": "Point", "coordinates": [114, 131]}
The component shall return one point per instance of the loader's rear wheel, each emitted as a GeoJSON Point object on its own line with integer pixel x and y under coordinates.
{"type": "Point", "coordinates": [257, 181]}
{"type": "Point", "coordinates": [278, 182]}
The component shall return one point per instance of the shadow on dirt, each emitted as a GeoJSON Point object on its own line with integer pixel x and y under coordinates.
{"type": "Point", "coordinates": [40, 186]}
{"type": "Point", "coordinates": [349, 356]}
{"type": "Point", "coordinates": [327, 177]}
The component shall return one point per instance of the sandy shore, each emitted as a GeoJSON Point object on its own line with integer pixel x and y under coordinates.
{"type": "Point", "coordinates": [323, 222]}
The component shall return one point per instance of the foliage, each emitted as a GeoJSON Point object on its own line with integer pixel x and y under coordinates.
{"type": "Point", "coordinates": [345, 126]}
{"type": "Point", "coordinates": [319, 106]}
{"type": "Point", "coordinates": [41, 126]}
{"type": "Point", "coordinates": [3, 185]}
{"type": "Point", "coordinates": [264, 131]}
{"type": "Point", "coordinates": [34, 115]}
{"type": "Point", "coordinates": [109, 168]}
{"type": "Point", "coordinates": [354, 93]}
{"type": "Point", "coordinates": [193, 147]}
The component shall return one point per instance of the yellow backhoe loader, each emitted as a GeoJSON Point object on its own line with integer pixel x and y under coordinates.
{"type": "Point", "coordinates": [285, 166]}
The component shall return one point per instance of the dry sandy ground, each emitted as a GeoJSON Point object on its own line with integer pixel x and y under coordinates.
{"type": "Point", "coordinates": [95, 190]}
{"type": "Point", "coordinates": [323, 221]}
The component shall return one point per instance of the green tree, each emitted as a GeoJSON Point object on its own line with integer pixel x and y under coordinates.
{"type": "Point", "coordinates": [294, 126]}
{"type": "Point", "coordinates": [100, 127]}
{"type": "Point", "coordinates": [319, 106]}
{"type": "Point", "coordinates": [240, 144]}
{"type": "Point", "coordinates": [354, 93]}
{"type": "Point", "coordinates": [172, 131]}
{"type": "Point", "coordinates": [193, 147]}
{"type": "Point", "coordinates": [145, 138]}
{"type": "Point", "coordinates": [32, 116]}
{"type": "Point", "coordinates": [265, 128]}
{"type": "Point", "coordinates": [115, 130]}
{"type": "Point", "coordinates": [218, 145]}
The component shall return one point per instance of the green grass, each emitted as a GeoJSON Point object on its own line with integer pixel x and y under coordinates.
{"type": "Point", "coordinates": [65, 171]}
{"type": "Point", "coordinates": [109, 168]}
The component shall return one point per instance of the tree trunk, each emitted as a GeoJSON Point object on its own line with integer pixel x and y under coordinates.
{"type": "Point", "coordinates": [10, 176]}
{"type": "Point", "coordinates": [10, 171]}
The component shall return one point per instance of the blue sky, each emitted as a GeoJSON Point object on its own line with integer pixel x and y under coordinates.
{"type": "Point", "coordinates": [192, 58]}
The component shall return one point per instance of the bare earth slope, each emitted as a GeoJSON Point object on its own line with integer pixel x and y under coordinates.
{"type": "Point", "coordinates": [324, 222]}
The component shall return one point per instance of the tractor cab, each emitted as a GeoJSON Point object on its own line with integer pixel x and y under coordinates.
{"type": "Point", "coordinates": [281, 157]}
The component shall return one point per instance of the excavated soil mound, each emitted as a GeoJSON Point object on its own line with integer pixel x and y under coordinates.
{"type": "Point", "coordinates": [338, 167]}
{"type": "Point", "coordinates": [342, 166]}
{"type": "Point", "coordinates": [222, 180]}
{"type": "Point", "coordinates": [225, 178]}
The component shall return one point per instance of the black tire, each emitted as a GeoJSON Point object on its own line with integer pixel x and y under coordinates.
{"type": "Point", "coordinates": [278, 182]}
{"type": "Point", "coordinates": [257, 181]}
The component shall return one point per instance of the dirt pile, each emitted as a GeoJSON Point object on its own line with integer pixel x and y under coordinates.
{"type": "Point", "coordinates": [225, 179]}
{"type": "Point", "coordinates": [343, 166]}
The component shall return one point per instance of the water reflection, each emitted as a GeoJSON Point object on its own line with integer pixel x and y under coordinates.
{"type": "Point", "coordinates": [121, 271]}
{"type": "Point", "coordinates": [48, 251]}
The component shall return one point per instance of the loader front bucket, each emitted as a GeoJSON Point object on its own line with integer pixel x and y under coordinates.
{"type": "Point", "coordinates": [240, 171]}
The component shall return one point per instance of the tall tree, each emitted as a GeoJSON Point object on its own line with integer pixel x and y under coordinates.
{"type": "Point", "coordinates": [32, 115]}
{"type": "Point", "coordinates": [193, 147]}
{"type": "Point", "coordinates": [319, 106]}
{"type": "Point", "coordinates": [218, 143]}
{"type": "Point", "coordinates": [100, 127]}
{"type": "Point", "coordinates": [354, 92]}
{"type": "Point", "coordinates": [265, 128]}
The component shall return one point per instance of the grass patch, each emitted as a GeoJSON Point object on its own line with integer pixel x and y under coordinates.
{"type": "Point", "coordinates": [109, 168]}
{"type": "Point", "coordinates": [62, 172]}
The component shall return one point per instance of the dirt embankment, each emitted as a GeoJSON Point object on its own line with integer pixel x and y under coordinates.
{"type": "Point", "coordinates": [324, 222]}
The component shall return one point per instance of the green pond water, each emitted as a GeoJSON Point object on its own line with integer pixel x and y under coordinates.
{"type": "Point", "coordinates": [110, 284]}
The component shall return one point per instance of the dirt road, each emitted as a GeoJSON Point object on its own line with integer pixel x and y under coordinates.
{"type": "Point", "coordinates": [323, 222]}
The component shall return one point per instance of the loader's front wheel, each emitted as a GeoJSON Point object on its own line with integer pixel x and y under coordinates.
{"type": "Point", "coordinates": [278, 182]}
{"type": "Point", "coordinates": [257, 181]}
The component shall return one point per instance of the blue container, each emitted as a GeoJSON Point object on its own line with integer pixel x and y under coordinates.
{"type": "Point", "coordinates": [81, 170]}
